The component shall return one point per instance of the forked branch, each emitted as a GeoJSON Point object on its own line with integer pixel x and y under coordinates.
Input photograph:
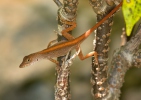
{"type": "Point", "coordinates": [124, 58]}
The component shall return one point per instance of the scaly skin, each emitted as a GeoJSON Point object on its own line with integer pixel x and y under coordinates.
{"type": "Point", "coordinates": [64, 47]}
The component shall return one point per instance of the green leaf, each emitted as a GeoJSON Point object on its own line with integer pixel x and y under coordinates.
{"type": "Point", "coordinates": [132, 12]}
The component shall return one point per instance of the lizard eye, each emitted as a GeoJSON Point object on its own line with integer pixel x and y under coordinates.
{"type": "Point", "coordinates": [28, 60]}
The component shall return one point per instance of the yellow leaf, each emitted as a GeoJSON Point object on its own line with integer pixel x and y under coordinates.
{"type": "Point", "coordinates": [132, 13]}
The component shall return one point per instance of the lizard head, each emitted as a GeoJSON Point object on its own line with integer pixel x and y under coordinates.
{"type": "Point", "coordinates": [28, 60]}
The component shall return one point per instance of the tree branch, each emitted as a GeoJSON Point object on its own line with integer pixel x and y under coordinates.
{"type": "Point", "coordinates": [103, 32]}
{"type": "Point", "coordinates": [66, 13]}
{"type": "Point", "coordinates": [123, 59]}
{"type": "Point", "coordinates": [137, 59]}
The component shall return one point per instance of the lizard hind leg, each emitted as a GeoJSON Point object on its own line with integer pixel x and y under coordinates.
{"type": "Point", "coordinates": [51, 43]}
{"type": "Point", "coordinates": [82, 57]}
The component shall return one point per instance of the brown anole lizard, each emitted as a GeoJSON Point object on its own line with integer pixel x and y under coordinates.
{"type": "Point", "coordinates": [63, 48]}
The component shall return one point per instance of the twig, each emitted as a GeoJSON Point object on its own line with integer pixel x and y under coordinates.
{"type": "Point", "coordinates": [58, 3]}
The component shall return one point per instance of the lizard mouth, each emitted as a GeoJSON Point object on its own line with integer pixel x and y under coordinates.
{"type": "Point", "coordinates": [24, 65]}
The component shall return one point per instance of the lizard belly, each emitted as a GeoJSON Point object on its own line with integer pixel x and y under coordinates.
{"type": "Point", "coordinates": [60, 52]}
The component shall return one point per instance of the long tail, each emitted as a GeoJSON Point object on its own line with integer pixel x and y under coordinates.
{"type": "Point", "coordinates": [87, 33]}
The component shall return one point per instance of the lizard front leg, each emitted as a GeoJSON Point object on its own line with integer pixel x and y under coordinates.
{"type": "Point", "coordinates": [52, 42]}
{"type": "Point", "coordinates": [70, 37]}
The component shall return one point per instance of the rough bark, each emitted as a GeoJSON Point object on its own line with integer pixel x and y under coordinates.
{"type": "Point", "coordinates": [66, 13]}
